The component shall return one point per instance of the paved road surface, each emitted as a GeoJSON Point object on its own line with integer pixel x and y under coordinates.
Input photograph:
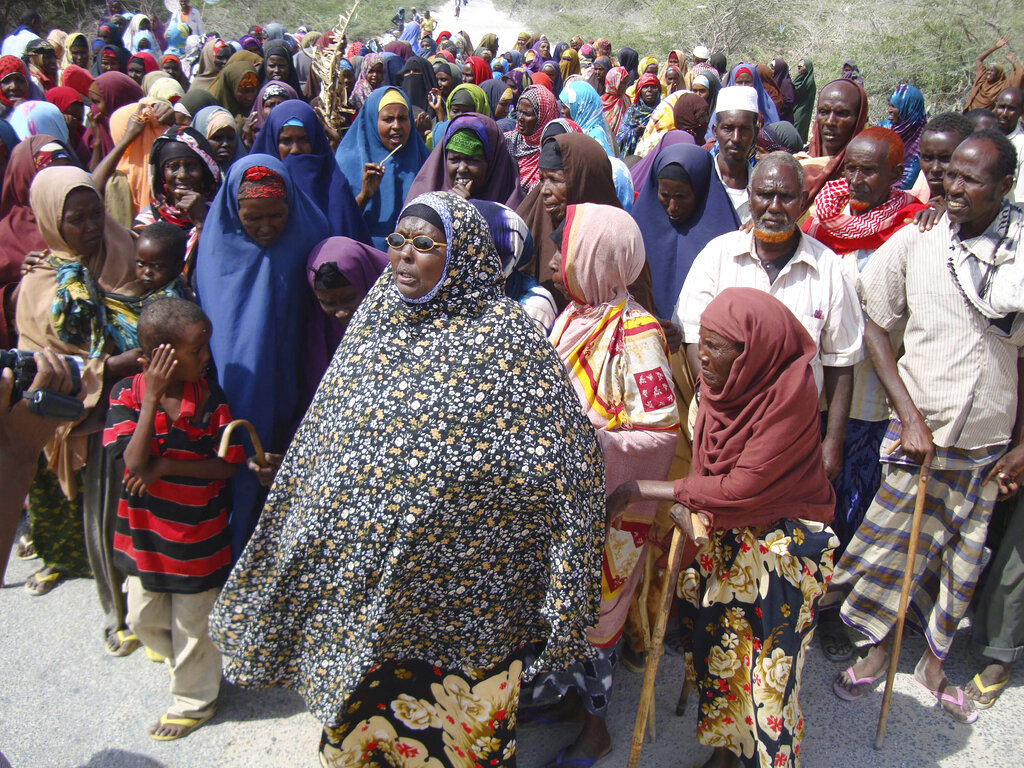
{"type": "Point", "coordinates": [64, 703]}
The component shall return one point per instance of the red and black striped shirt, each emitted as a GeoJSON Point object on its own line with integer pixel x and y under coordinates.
{"type": "Point", "coordinates": [174, 537]}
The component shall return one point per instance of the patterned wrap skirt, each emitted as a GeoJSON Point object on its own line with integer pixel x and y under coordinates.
{"type": "Point", "coordinates": [748, 608]}
{"type": "Point", "coordinates": [56, 524]}
{"type": "Point", "coordinates": [949, 562]}
{"type": "Point", "coordinates": [410, 714]}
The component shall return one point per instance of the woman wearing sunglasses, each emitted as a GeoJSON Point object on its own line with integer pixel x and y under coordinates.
{"type": "Point", "coordinates": [441, 506]}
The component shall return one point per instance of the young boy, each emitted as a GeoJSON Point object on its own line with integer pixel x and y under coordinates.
{"type": "Point", "coordinates": [160, 260]}
{"type": "Point", "coordinates": [172, 536]}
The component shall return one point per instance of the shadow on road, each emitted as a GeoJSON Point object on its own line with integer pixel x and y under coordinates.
{"type": "Point", "coordinates": [237, 705]}
{"type": "Point", "coordinates": [118, 758]}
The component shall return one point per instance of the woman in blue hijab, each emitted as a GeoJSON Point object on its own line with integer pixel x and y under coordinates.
{"type": "Point", "coordinates": [698, 211]}
{"type": "Point", "coordinates": [293, 133]}
{"type": "Point", "coordinates": [411, 35]}
{"type": "Point", "coordinates": [250, 279]}
{"type": "Point", "coordinates": [907, 118]}
{"type": "Point", "coordinates": [585, 110]}
{"type": "Point", "coordinates": [746, 74]}
{"type": "Point", "coordinates": [382, 186]}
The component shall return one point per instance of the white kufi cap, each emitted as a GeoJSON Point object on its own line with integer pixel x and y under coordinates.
{"type": "Point", "coordinates": [737, 98]}
{"type": "Point", "coordinates": [701, 52]}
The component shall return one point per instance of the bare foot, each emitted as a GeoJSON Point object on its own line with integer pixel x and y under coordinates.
{"type": "Point", "coordinates": [722, 758]}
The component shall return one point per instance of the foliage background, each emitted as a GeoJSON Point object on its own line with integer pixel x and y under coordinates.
{"type": "Point", "coordinates": [929, 43]}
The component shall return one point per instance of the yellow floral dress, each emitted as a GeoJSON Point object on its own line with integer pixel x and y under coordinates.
{"type": "Point", "coordinates": [749, 608]}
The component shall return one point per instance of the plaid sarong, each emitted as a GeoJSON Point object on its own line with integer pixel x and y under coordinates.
{"type": "Point", "coordinates": [950, 554]}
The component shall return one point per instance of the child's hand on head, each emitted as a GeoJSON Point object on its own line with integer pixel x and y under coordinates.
{"type": "Point", "coordinates": [159, 371]}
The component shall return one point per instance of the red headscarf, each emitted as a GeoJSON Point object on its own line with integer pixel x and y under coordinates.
{"type": "Point", "coordinates": [75, 77]}
{"type": "Point", "coordinates": [63, 97]}
{"type": "Point", "coordinates": [481, 70]}
{"type": "Point", "coordinates": [818, 176]}
{"type": "Point", "coordinates": [539, 78]}
{"type": "Point", "coordinates": [645, 79]}
{"type": "Point", "coordinates": [117, 90]}
{"type": "Point", "coordinates": [148, 62]}
{"type": "Point", "coordinates": [757, 442]}
{"type": "Point", "coordinates": [8, 66]}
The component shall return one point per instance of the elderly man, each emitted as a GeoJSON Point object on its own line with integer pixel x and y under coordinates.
{"type": "Point", "coordinates": [796, 269]}
{"type": "Point", "coordinates": [853, 216]}
{"type": "Point", "coordinates": [737, 123]}
{"type": "Point", "coordinates": [1008, 108]}
{"type": "Point", "coordinates": [957, 287]}
{"type": "Point", "coordinates": [842, 113]}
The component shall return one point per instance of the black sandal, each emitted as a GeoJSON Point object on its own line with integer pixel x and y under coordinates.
{"type": "Point", "coordinates": [835, 643]}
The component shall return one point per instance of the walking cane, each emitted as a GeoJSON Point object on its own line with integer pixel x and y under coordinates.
{"type": "Point", "coordinates": [225, 442]}
{"type": "Point", "coordinates": [901, 615]}
{"type": "Point", "coordinates": [675, 555]}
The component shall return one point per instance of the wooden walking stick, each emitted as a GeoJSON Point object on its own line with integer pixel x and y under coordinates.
{"type": "Point", "coordinates": [225, 442]}
{"type": "Point", "coordinates": [901, 614]}
{"type": "Point", "coordinates": [675, 555]}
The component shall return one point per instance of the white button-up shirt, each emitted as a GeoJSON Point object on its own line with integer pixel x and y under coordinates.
{"type": "Point", "coordinates": [813, 285]}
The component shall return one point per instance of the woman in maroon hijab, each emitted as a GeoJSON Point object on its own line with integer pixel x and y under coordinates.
{"type": "Point", "coordinates": [749, 600]}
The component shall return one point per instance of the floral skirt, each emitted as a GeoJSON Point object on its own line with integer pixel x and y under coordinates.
{"type": "Point", "coordinates": [749, 608]}
{"type": "Point", "coordinates": [410, 714]}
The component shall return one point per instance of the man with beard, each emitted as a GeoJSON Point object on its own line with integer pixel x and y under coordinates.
{"type": "Point", "coordinates": [841, 114]}
{"type": "Point", "coordinates": [1008, 108]}
{"type": "Point", "coordinates": [853, 216]}
{"type": "Point", "coordinates": [803, 274]}
{"type": "Point", "coordinates": [954, 394]}
{"type": "Point", "coordinates": [737, 123]}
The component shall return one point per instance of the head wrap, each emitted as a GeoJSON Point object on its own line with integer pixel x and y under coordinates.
{"type": "Point", "coordinates": [779, 137]}
{"type": "Point", "coordinates": [805, 91]}
{"type": "Point", "coordinates": [765, 416]}
{"type": "Point", "coordinates": [75, 39]}
{"type": "Point", "coordinates": [671, 248]}
{"type": "Point", "coordinates": [360, 265]}
{"type": "Point", "coordinates": [502, 182]}
{"type": "Point", "coordinates": [525, 150]}
{"type": "Point", "coordinates": [613, 101]}
{"type": "Point", "coordinates": [586, 110]}
{"type": "Point", "coordinates": [148, 62]}
{"type": "Point", "coordinates": [257, 299]}
{"type": "Point", "coordinates": [315, 173]}
{"type": "Point", "coordinates": [10, 65]}
{"type": "Point", "coordinates": [766, 107]}
{"type": "Point", "coordinates": [481, 70]}
{"type": "Point", "coordinates": [418, 79]}
{"type": "Point", "coordinates": [239, 68]}
{"type": "Point", "coordinates": [362, 144]}
{"type": "Point", "coordinates": [213, 119]}
{"type": "Point", "coordinates": [75, 77]}
{"type": "Point", "coordinates": [63, 97]}
{"type": "Point", "coordinates": [818, 175]}
{"type": "Point", "coordinates": [280, 48]}
{"type": "Point", "coordinates": [909, 101]}
{"type": "Point", "coordinates": [117, 90]}
{"type": "Point", "coordinates": [362, 89]}
{"type": "Point", "coordinates": [465, 142]}
{"type": "Point", "coordinates": [32, 118]}
{"type": "Point", "coordinates": [270, 89]}
{"type": "Point", "coordinates": [588, 179]}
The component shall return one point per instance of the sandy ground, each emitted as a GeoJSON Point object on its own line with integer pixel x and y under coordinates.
{"type": "Point", "coordinates": [64, 703]}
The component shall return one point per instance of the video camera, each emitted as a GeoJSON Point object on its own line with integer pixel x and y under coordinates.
{"type": "Point", "coordinates": [43, 402]}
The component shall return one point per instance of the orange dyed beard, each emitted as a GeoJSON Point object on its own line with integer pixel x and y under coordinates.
{"type": "Point", "coordinates": [773, 237]}
{"type": "Point", "coordinates": [856, 206]}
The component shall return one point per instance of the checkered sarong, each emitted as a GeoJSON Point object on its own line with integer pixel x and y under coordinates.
{"type": "Point", "coordinates": [949, 556]}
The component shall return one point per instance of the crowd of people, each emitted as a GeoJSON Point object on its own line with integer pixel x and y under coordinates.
{"type": "Point", "coordinates": [494, 315]}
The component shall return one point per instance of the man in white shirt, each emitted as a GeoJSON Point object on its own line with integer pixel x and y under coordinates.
{"type": "Point", "coordinates": [1008, 108]}
{"type": "Point", "coordinates": [30, 26]}
{"type": "Point", "coordinates": [190, 17]}
{"type": "Point", "coordinates": [737, 123]}
{"type": "Point", "coordinates": [796, 269]}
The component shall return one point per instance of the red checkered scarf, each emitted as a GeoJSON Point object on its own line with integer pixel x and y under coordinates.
{"type": "Point", "coordinates": [843, 232]}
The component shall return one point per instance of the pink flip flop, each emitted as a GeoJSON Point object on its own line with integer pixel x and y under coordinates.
{"type": "Point", "coordinates": [958, 701]}
{"type": "Point", "coordinates": [863, 683]}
